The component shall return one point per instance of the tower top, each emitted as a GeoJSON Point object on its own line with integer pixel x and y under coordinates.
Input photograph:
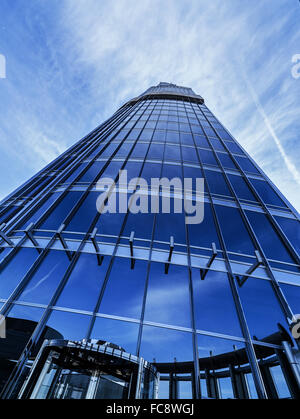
{"type": "Point", "coordinates": [166, 90]}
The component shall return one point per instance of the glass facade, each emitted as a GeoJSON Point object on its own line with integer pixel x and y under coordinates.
{"type": "Point", "coordinates": [213, 316]}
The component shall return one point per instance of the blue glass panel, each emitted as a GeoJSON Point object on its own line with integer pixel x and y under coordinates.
{"type": "Point", "coordinates": [71, 326]}
{"type": "Point", "coordinates": [84, 284]}
{"type": "Point", "coordinates": [187, 139]}
{"type": "Point", "coordinates": [164, 345]}
{"type": "Point", "coordinates": [226, 161]}
{"type": "Point", "coordinates": [15, 270]}
{"type": "Point", "coordinates": [217, 183]}
{"type": "Point", "coordinates": [83, 217]}
{"type": "Point", "coordinates": [292, 294]}
{"type": "Point", "coordinates": [216, 144]}
{"type": "Point", "coordinates": [159, 136]}
{"type": "Point", "coordinates": [112, 170]}
{"type": "Point", "coordinates": [141, 224]}
{"type": "Point", "coordinates": [124, 292]}
{"type": "Point", "coordinates": [168, 296]}
{"type": "Point", "coordinates": [267, 193]}
{"type": "Point", "coordinates": [291, 229]}
{"type": "Point", "coordinates": [233, 147]}
{"type": "Point", "coordinates": [236, 236]}
{"type": "Point", "coordinates": [261, 307]}
{"type": "Point", "coordinates": [241, 188]}
{"type": "Point", "coordinates": [207, 157]}
{"type": "Point", "coordinates": [246, 164]}
{"type": "Point", "coordinates": [201, 141]}
{"type": "Point", "coordinates": [44, 282]}
{"type": "Point", "coordinates": [75, 173]}
{"type": "Point", "coordinates": [268, 238]}
{"type": "Point", "coordinates": [170, 225]}
{"type": "Point", "coordinates": [189, 154]}
{"type": "Point", "coordinates": [92, 172]}
{"type": "Point", "coordinates": [120, 333]}
{"type": "Point", "coordinates": [204, 234]}
{"type": "Point", "coordinates": [213, 301]}
{"type": "Point", "coordinates": [40, 211]}
{"type": "Point", "coordinates": [156, 151]}
{"type": "Point", "coordinates": [172, 137]}
{"type": "Point", "coordinates": [172, 152]}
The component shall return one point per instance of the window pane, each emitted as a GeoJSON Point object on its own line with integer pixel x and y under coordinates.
{"type": "Point", "coordinates": [120, 333]}
{"type": "Point", "coordinates": [217, 183]}
{"type": "Point", "coordinates": [123, 295]}
{"type": "Point", "coordinates": [70, 325]}
{"type": "Point", "coordinates": [268, 238]}
{"type": "Point", "coordinates": [164, 345]}
{"type": "Point", "coordinates": [236, 236]}
{"type": "Point", "coordinates": [84, 284]}
{"type": "Point", "coordinates": [241, 188]}
{"type": "Point", "coordinates": [16, 269]}
{"type": "Point", "coordinates": [44, 282]}
{"type": "Point", "coordinates": [213, 301]}
{"type": "Point", "coordinates": [291, 229]}
{"type": "Point", "coordinates": [261, 307]}
{"type": "Point", "coordinates": [204, 234]}
{"type": "Point", "coordinates": [59, 214]}
{"type": "Point", "coordinates": [168, 296]}
{"type": "Point", "coordinates": [266, 192]}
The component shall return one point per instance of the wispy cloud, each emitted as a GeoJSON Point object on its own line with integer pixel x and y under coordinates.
{"type": "Point", "coordinates": [83, 59]}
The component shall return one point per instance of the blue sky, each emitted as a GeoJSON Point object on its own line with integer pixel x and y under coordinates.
{"type": "Point", "coordinates": [72, 63]}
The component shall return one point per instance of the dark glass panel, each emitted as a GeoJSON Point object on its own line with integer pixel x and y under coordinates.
{"type": "Point", "coordinates": [241, 188]}
{"type": "Point", "coordinates": [120, 333]}
{"type": "Point", "coordinates": [234, 148]}
{"type": "Point", "coordinates": [189, 154]}
{"type": "Point", "coordinates": [246, 164]}
{"type": "Point", "coordinates": [217, 183]}
{"type": "Point", "coordinates": [236, 236]}
{"type": "Point", "coordinates": [207, 157]}
{"type": "Point", "coordinates": [85, 214]}
{"type": "Point", "coordinates": [216, 144]}
{"type": "Point", "coordinates": [170, 225]}
{"type": "Point", "coordinates": [41, 210]}
{"type": "Point", "coordinates": [172, 152]}
{"type": "Point", "coordinates": [15, 270]}
{"type": "Point", "coordinates": [291, 229]}
{"type": "Point", "coordinates": [164, 345]}
{"type": "Point", "coordinates": [151, 170]}
{"type": "Point", "coordinates": [216, 358]}
{"type": "Point", "coordinates": [140, 150]}
{"type": "Point", "coordinates": [226, 161]}
{"type": "Point", "coordinates": [268, 238]}
{"type": "Point", "coordinates": [46, 279]}
{"type": "Point", "coordinates": [204, 234]}
{"type": "Point", "coordinates": [58, 215]}
{"type": "Point", "coordinates": [112, 170]}
{"type": "Point", "coordinates": [141, 224]}
{"type": "Point", "coordinates": [92, 172]}
{"type": "Point", "coordinates": [213, 304]}
{"type": "Point", "coordinates": [292, 294]}
{"type": "Point", "coordinates": [187, 139]}
{"type": "Point", "coordinates": [124, 291]}
{"type": "Point", "coordinates": [84, 284]}
{"type": "Point", "coordinates": [70, 325]}
{"type": "Point", "coordinates": [267, 193]}
{"type": "Point", "coordinates": [168, 296]}
{"type": "Point", "coordinates": [75, 173]}
{"type": "Point", "coordinates": [172, 137]}
{"type": "Point", "coordinates": [261, 307]}
{"type": "Point", "coordinates": [156, 151]}
{"type": "Point", "coordinates": [201, 141]}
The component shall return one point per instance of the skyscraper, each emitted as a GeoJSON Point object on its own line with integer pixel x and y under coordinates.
{"type": "Point", "coordinates": [144, 305]}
